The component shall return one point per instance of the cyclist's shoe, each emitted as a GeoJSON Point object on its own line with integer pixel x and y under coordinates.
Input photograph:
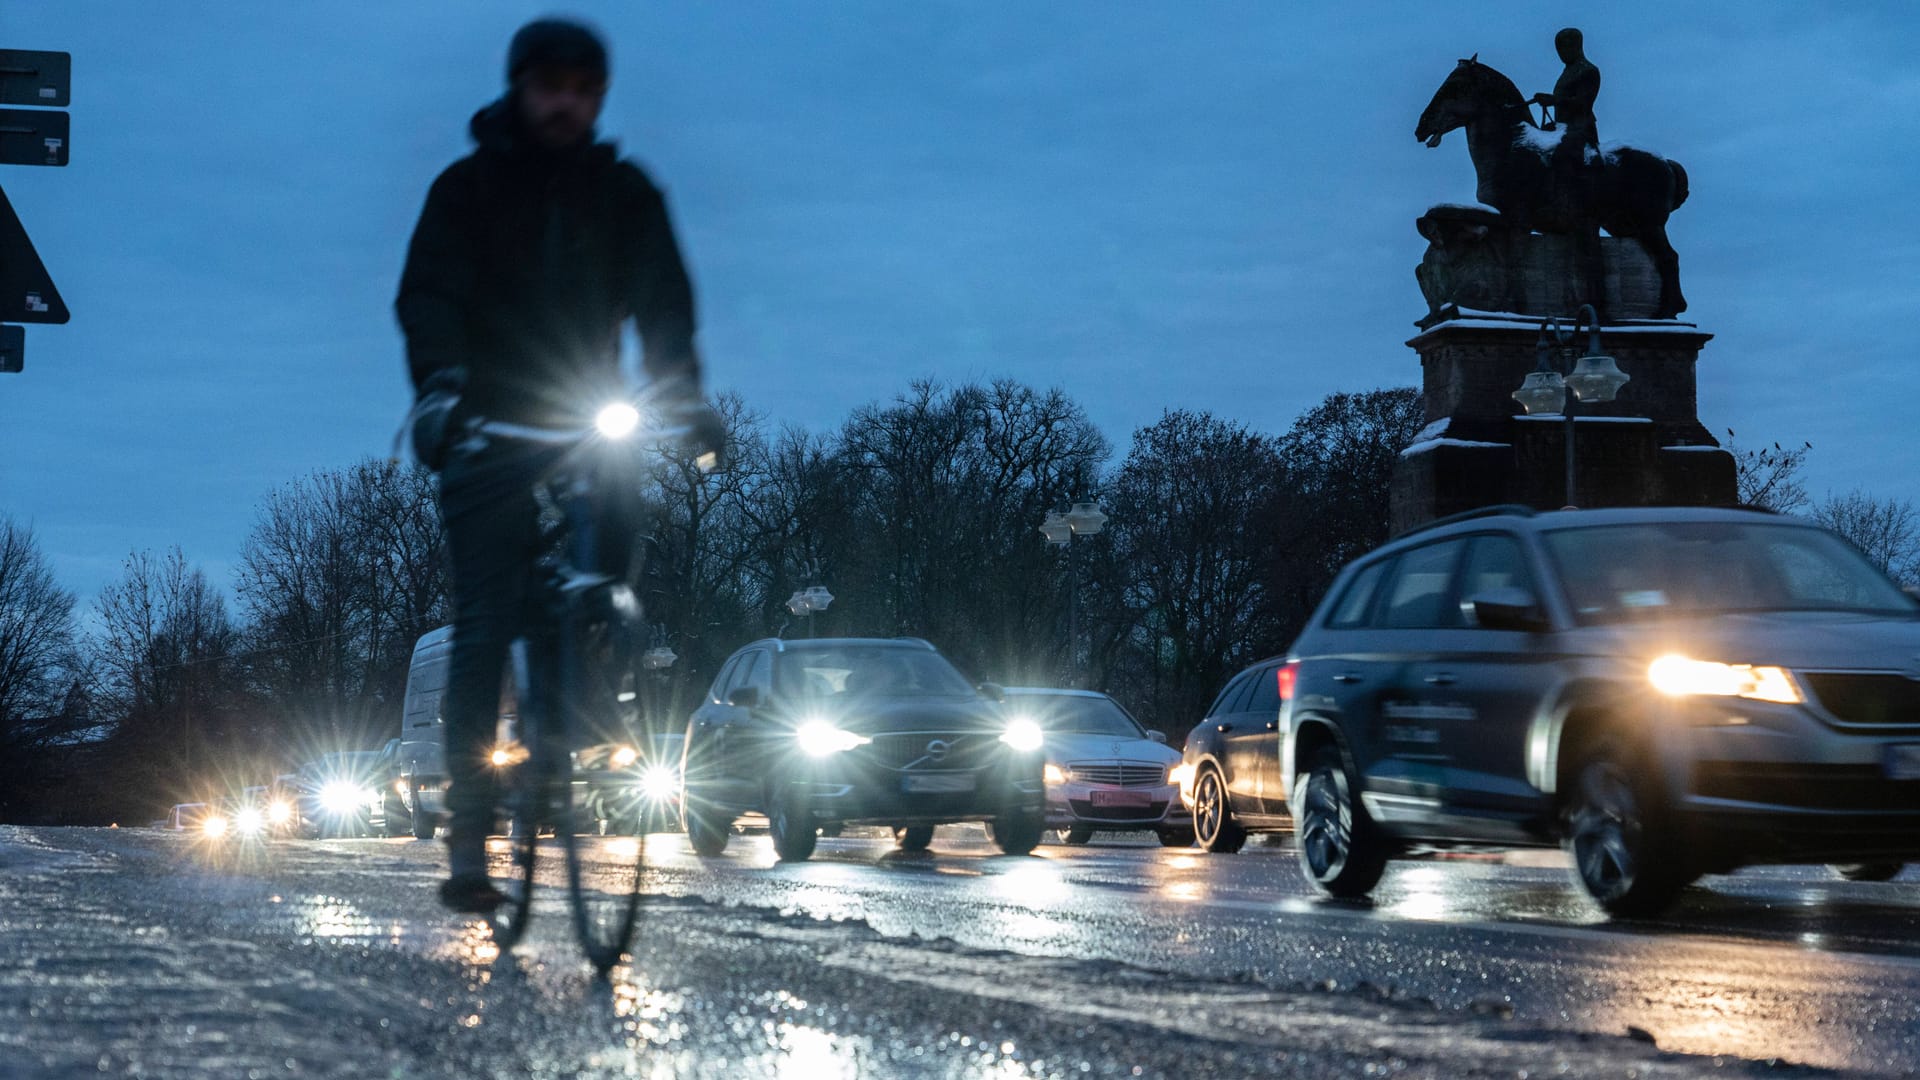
{"type": "Point", "coordinates": [471, 894]}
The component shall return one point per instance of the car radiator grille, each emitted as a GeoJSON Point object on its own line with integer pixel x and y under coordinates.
{"type": "Point", "coordinates": [1866, 699]}
{"type": "Point", "coordinates": [1810, 787]}
{"type": "Point", "coordinates": [1119, 775]}
{"type": "Point", "coordinates": [912, 750]}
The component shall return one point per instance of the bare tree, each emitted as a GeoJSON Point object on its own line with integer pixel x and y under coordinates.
{"type": "Point", "coordinates": [1886, 531]}
{"type": "Point", "coordinates": [36, 638]}
{"type": "Point", "coordinates": [1768, 477]}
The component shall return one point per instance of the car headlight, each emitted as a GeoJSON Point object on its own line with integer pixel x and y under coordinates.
{"type": "Point", "coordinates": [659, 783]}
{"type": "Point", "coordinates": [279, 812]}
{"type": "Point", "coordinates": [1181, 774]}
{"type": "Point", "coordinates": [818, 738]}
{"type": "Point", "coordinates": [625, 756]}
{"type": "Point", "coordinates": [617, 420]}
{"type": "Point", "coordinates": [340, 797]}
{"type": "Point", "coordinates": [249, 821]}
{"type": "Point", "coordinates": [1679, 676]}
{"type": "Point", "coordinates": [1054, 775]}
{"type": "Point", "coordinates": [215, 826]}
{"type": "Point", "coordinates": [1024, 735]}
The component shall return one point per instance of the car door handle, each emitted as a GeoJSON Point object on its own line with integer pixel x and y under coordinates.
{"type": "Point", "coordinates": [1346, 677]}
{"type": "Point", "coordinates": [1442, 678]}
{"type": "Point", "coordinates": [1224, 728]}
{"type": "Point", "coordinates": [1273, 725]}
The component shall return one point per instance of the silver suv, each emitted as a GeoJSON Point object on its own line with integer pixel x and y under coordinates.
{"type": "Point", "coordinates": [1668, 692]}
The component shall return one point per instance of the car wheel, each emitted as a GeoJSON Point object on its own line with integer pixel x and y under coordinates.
{"type": "Point", "coordinates": [1213, 823]}
{"type": "Point", "coordinates": [1619, 832]}
{"type": "Point", "coordinates": [912, 837]}
{"type": "Point", "coordinates": [1175, 836]}
{"type": "Point", "coordinates": [794, 834]}
{"type": "Point", "coordinates": [1341, 849]}
{"type": "Point", "coordinates": [420, 820]}
{"type": "Point", "coordinates": [1872, 871]}
{"type": "Point", "coordinates": [1019, 832]}
{"type": "Point", "coordinates": [706, 833]}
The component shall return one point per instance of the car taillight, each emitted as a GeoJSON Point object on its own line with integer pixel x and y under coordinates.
{"type": "Point", "coordinates": [1287, 674]}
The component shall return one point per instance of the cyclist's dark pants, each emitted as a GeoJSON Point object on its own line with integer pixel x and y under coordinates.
{"type": "Point", "coordinates": [492, 527]}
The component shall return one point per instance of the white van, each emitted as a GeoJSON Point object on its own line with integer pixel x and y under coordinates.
{"type": "Point", "coordinates": [423, 754]}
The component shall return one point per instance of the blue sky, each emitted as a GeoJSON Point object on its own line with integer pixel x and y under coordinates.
{"type": "Point", "coordinates": [1204, 205]}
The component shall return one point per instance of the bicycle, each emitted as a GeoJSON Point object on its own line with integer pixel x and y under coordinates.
{"type": "Point", "coordinates": [574, 673]}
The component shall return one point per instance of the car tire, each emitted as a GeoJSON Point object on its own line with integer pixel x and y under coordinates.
{"type": "Point", "coordinates": [418, 819]}
{"type": "Point", "coordinates": [1873, 871]}
{"type": "Point", "coordinates": [706, 834]}
{"type": "Point", "coordinates": [1341, 849]}
{"type": "Point", "coordinates": [912, 838]}
{"type": "Point", "coordinates": [1620, 833]}
{"type": "Point", "coordinates": [1213, 823]}
{"type": "Point", "coordinates": [1175, 836]}
{"type": "Point", "coordinates": [1019, 832]}
{"type": "Point", "coordinates": [794, 833]}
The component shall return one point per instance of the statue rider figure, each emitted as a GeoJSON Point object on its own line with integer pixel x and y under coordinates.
{"type": "Point", "coordinates": [1572, 99]}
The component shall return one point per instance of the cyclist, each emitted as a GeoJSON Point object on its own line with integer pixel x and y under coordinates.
{"type": "Point", "coordinates": [530, 256]}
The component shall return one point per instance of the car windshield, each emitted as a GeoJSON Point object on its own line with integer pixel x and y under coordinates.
{"type": "Point", "coordinates": [868, 671]}
{"type": "Point", "coordinates": [1614, 572]}
{"type": "Point", "coordinates": [1071, 714]}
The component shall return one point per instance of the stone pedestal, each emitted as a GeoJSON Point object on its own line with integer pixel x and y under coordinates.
{"type": "Point", "coordinates": [1648, 448]}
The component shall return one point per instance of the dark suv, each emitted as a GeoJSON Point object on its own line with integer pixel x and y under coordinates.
{"type": "Point", "coordinates": [1669, 692]}
{"type": "Point", "coordinates": [820, 734]}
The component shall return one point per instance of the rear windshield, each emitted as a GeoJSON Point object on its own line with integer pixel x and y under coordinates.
{"type": "Point", "coordinates": [867, 671]}
{"type": "Point", "coordinates": [1615, 572]}
{"type": "Point", "coordinates": [1071, 714]}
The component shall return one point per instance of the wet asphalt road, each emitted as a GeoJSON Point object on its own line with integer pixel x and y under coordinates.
{"type": "Point", "coordinates": [135, 953]}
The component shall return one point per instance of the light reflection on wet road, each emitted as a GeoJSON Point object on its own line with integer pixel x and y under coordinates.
{"type": "Point", "coordinates": [1771, 963]}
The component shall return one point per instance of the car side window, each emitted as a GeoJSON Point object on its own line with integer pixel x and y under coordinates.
{"type": "Point", "coordinates": [1422, 581]}
{"type": "Point", "coordinates": [720, 682]}
{"type": "Point", "coordinates": [1265, 698]}
{"type": "Point", "coordinates": [761, 676]}
{"type": "Point", "coordinates": [1230, 697]}
{"type": "Point", "coordinates": [1357, 601]}
{"type": "Point", "coordinates": [743, 675]}
{"type": "Point", "coordinates": [1494, 562]}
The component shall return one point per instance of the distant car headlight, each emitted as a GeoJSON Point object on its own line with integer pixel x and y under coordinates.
{"type": "Point", "coordinates": [279, 812]}
{"type": "Point", "coordinates": [249, 821]}
{"type": "Point", "coordinates": [625, 756]}
{"type": "Point", "coordinates": [214, 826]}
{"type": "Point", "coordinates": [342, 797]}
{"type": "Point", "coordinates": [818, 738]}
{"type": "Point", "coordinates": [617, 420]}
{"type": "Point", "coordinates": [1054, 775]}
{"type": "Point", "coordinates": [1181, 774]}
{"type": "Point", "coordinates": [1024, 735]}
{"type": "Point", "coordinates": [659, 783]}
{"type": "Point", "coordinates": [1679, 676]}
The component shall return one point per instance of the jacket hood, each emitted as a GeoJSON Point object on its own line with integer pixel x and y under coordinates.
{"type": "Point", "coordinates": [495, 129]}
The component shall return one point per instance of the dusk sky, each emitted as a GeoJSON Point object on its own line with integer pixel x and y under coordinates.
{"type": "Point", "coordinates": [1158, 205]}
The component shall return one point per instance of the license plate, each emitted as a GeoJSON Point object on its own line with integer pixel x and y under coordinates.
{"type": "Point", "coordinates": [1903, 762]}
{"type": "Point", "coordinates": [1123, 798]}
{"type": "Point", "coordinates": [936, 783]}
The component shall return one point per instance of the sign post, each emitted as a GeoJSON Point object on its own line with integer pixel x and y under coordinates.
{"type": "Point", "coordinates": [35, 135]}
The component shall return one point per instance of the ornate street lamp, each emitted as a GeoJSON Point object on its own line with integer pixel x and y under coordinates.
{"type": "Point", "coordinates": [658, 658]}
{"type": "Point", "coordinates": [1595, 378]}
{"type": "Point", "coordinates": [809, 602]}
{"type": "Point", "coordinates": [1084, 518]}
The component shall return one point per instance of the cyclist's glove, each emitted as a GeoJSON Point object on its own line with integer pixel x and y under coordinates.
{"type": "Point", "coordinates": [434, 416]}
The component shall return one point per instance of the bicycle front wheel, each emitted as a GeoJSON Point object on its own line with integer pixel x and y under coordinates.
{"type": "Point", "coordinates": [524, 798]}
{"type": "Point", "coordinates": [600, 662]}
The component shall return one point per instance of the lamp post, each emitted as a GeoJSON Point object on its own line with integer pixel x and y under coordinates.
{"type": "Point", "coordinates": [1595, 377]}
{"type": "Point", "coordinates": [809, 602]}
{"type": "Point", "coordinates": [1084, 518]}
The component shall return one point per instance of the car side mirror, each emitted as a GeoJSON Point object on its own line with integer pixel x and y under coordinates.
{"type": "Point", "coordinates": [744, 697]}
{"type": "Point", "coordinates": [1912, 591]}
{"type": "Point", "coordinates": [1158, 736]}
{"type": "Point", "coordinates": [993, 691]}
{"type": "Point", "coordinates": [1507, 608]}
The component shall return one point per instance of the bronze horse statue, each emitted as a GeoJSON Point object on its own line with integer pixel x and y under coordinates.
{"type": "Point", "coordinates": [1628, 192]}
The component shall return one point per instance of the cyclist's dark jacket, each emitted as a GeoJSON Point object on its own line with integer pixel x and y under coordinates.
{"type": "Point", "coordinates": [524, 265]}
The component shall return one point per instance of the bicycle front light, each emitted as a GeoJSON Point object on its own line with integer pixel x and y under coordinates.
{"type": "Point", "coordinates": [617, 420]}
{"type": "Point", "coordinates": [340, 797]}
{"type": "Point", "coordinates": [659, 783]}
{"type": "Point", "coordinates": [819, 739]}
{"type": "Point", "coordinates": [1024, 735]}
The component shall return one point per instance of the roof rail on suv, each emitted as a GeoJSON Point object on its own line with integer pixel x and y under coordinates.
{"type": "Point", "coordinates": [1516, 509]}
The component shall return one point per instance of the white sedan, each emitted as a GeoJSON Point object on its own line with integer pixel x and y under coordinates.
{"type": "Point", "coordinates": [1104, 771]}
